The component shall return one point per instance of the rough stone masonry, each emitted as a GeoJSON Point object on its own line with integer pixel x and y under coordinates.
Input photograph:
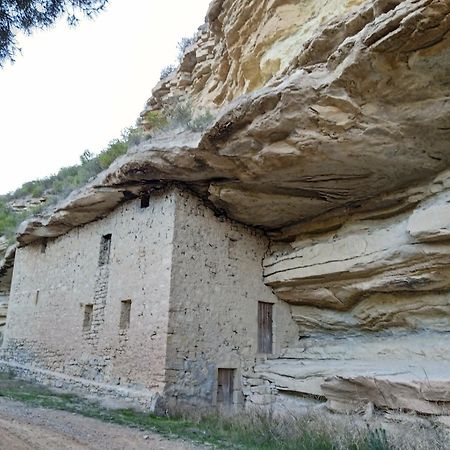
{"type": "Point", "coordinates": [176, 268]}
{"type": "Point", "coordinates": [312, 214]}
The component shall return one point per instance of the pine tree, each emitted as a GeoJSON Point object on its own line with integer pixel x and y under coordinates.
{"type": "Point", "coordinates": [27, 15]}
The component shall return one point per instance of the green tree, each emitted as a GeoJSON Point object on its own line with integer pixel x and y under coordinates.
{"type": "Point", "coordinates": [27, 15]}
{"type": "Point", "coordinates": [9, 220]}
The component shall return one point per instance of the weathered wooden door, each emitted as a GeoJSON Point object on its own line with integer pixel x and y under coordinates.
{"type": "Point", "coordinates": [225, 386]}
{"type": "Point", "coordinates": [265, 338]}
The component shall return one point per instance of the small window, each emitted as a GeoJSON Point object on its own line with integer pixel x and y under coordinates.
{"type": "Point", "coordinates": [225, 386]}
{"type": "Point", "coordinates": [88, 316]}
{"type": "Point", "coordinates": [145, 201]}
{"type": "Point", "coordinates": [265, 337]}
{"type": "Point", "coordinates": [36, 297]}
{"type": "Point", "coordinates": [125, 312]}
{"type": "Point", "coordinates": [105, 250]}
{"type": "Point", "coordinates": [44, 246]}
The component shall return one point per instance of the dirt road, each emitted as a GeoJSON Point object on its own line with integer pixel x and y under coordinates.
{"type": "Point", "coordinates": [26, 428]}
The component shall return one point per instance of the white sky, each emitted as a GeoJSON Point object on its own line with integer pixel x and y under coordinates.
{"type": "Point", "coordinates": [74, 89]}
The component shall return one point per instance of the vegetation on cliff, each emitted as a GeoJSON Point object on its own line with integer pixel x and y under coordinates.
{"type": "Point", "coordinates": [55, 187]}
{"type": "Point", "coordinates": [35, 196]}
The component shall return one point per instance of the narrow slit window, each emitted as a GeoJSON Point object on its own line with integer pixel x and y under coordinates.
{"type": "Point", "coordinates": [88, 316]}
{"type": "Point", "coordinates": [225, 386]}
{"type": "Point", "coordinates": [105, 250]}
{"type": "Point", "coordinates": [145, 201]}
{"type": "Point", "coordinates": [265, 333]}
{"type": "Point", "coordinates": [36, 297]}
{"type": "Point", "coordinates": [125, 313]}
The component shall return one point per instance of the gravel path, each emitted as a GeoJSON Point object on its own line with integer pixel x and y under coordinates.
{"type": "Point", "coordinates": [26, 428]}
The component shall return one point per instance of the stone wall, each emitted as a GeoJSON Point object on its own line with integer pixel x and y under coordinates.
{"type": "Point", "coordinates": [3, 311]}
{"type": "Point", "coordinates": [6, 269]}
{"type": "Point", "coordinates": [55, 281]}
{"type": "Point", "coordinates": [216, 286]}
{"type": "Point", "coordinates": [194, 281]}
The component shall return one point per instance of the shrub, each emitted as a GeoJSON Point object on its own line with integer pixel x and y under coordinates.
{"type": "Point", "coordinates": [183, 44]}
{"type": "Point", "coordinates": [115, 149]}
{"type": "Point", "coordinates": [9, 220]}
{"type": "Point", "coordinates": [156, 120]}
{"type": "Point", "coordinates": [180, 114]}
{"type": "Point", "coordinates": [166, 71]}
{"type": "Point", "coordinates": [118, 147]}
{"type": "Point", "coordinates": [201, 121]}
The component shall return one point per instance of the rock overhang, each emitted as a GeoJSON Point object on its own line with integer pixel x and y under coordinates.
{"type": "Point", "coordinates": [362, 111]}
{"type": "Point", "coordinates": [343, 158]}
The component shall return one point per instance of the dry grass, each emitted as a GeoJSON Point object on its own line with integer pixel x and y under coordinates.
{"type": "Point", "coordinates": [254, 430]}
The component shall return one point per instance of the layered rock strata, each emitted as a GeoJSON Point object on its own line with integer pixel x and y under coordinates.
{"type": "Point", "coordinates": [360, 112]}
{"type": "Point", "coordinates": [243, 45]}
{"type": "Point", "coordinates": [372, 304]}
{"type": "Point", "coordinates": [332, 137]}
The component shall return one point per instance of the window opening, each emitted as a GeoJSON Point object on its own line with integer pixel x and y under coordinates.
{"type": "Point", "coordinates": [265, 333]}
{"type": "Point", "coordinates": [88, 316]}
{"type": "Point", "coordinates": [105, 250]}
{"type": "Point", "coordinates": [145, 200]}
{"type": "Point", "coordinates": [125, 313]}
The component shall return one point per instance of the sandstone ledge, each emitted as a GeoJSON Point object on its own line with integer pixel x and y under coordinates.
{"type": "Point", "coordinates": [362, 119]}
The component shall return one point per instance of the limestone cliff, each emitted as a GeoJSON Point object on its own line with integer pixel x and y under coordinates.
{"type": "Point", "coordinates": [332, 135]}
{"type": "Point", "coordinates": [243, 45]}
{"type": "Point", "coordinates": [360, 111]}
{"type": "Point", "coordinates": [372, 300]}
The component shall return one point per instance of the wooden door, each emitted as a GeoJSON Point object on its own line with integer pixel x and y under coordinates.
{"type": "Point", "coordinates": [225, 386]}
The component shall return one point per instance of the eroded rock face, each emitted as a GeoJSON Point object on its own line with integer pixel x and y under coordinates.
{"type": "Point", "coordinates": [243, 45]}
{"type": "Point", "coordinates": [333, 137]}
{"type": "Point", "coordinates": [361, 111]}
{"type": "Point", "coordinates": [372, 303]}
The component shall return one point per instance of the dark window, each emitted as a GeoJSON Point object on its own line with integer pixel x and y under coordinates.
{"type": "Point", "coordinates": [225, 386]}
{"type": "Point", "coordinates": [36, 297]}
{"type": "Point", "coordinates": [145, 200]}
{"type": "Point", "coordinates": [265, 338]}
{"type": "Point", "coordinates": [125, 311]}
{"type": "Point", "coordinates": [44, 246]}
{"type": "Point", "coordinates": [105, 249]}
{"type": "Point", "coordinates": [88, 316]}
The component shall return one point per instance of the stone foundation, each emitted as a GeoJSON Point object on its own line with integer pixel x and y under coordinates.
{"type": "Point", "coordinates": [140, 399]}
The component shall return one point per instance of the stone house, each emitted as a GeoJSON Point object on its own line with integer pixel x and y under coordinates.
{"type": "Point", "coordinates": [161, 301]}
{"type": "Point", "coordinates": [324, 280]}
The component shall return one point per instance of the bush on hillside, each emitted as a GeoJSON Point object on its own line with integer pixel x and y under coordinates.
{"type": "Point", "coordinates": [9, 220]}
{"type": "Point", "coordinates": [58, 186]}
{"type": "Point", "coordinates": [166, 71]}
{"type": "Point", "coordinates": [183, 44]}
{"type": "Point", "coordinates": [182, 115]}
{"type": "Point", "coordinates": [155, 120]}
